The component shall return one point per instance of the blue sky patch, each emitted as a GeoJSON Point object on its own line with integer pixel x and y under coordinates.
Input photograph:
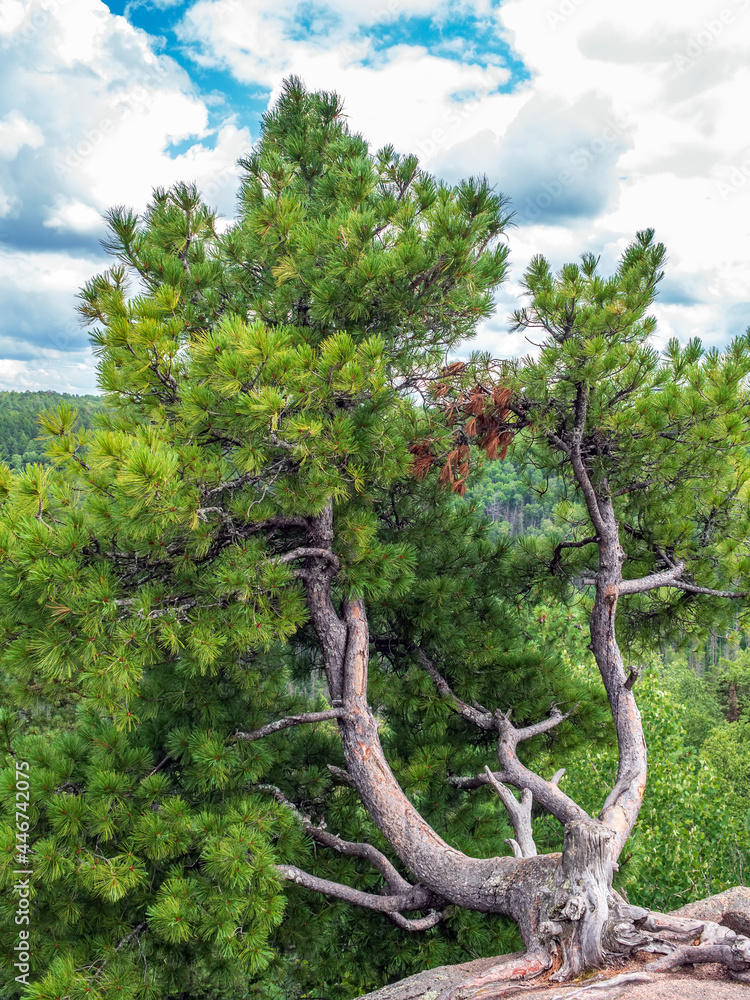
{"type": "Point", "coordinates": [311, 20]}
{"type": "Point", "coordinates": [223, 95]}
{"type": "Point", "coordinates": [463, 37]}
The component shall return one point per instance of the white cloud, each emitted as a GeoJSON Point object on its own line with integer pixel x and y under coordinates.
{"type": "Point", "coordinates": [16, 131]}
{"type": "Point", "coordinates": [59, 373]}
{"type": "Point", "coordinates": [95, 123]}
{"type": "Point", "coordinates": [634, 116]}
{"type": "Point", "coordinates": [41, 339]}
{"type": "Point", "coordinates": [11, 16]}
{"type": "Point", "coordinates": [402, 94]}
{"type": "Point", "coordinates": [75, 216]}
{"type": "Point", "coordinates": [109, 111]}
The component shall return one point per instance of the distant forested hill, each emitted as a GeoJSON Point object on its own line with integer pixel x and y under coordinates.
{"type": "Point", "coordinates": [19, 427]}
{"type": "Point", "coordinates": [518, 500]}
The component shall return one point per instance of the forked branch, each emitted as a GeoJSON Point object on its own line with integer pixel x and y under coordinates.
{"type": "Point", "coordinates": [523, 845]}
{"type": "Point", "coordinates": [394, 880]}
{"type": "Point", "coordinates": [513, 772]}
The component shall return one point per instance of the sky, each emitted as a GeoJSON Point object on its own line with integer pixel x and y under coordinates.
{"type": "Point", "coordinates": [597, 118]}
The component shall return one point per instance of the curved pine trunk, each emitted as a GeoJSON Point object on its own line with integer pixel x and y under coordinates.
{"type": "Point", "coordinates": [567, 913]}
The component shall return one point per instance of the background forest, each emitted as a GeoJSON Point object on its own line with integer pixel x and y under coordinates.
{"type": "Point", "coordinates": [694, 696]}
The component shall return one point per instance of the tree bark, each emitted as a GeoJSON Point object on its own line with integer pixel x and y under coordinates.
{"type": "Point", "coordinates": [568, 915]}
{"type": "Point", "coordinates": [439, 983]}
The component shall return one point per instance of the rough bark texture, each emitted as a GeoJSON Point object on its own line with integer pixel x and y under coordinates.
{"type": "Point", "coordinates": [732, 906]}
{"type": "Point", "coordinates": [568, 915]}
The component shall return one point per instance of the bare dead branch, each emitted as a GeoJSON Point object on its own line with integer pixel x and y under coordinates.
{"type": "Point", "coordinates": [306, 552]}
{"type": "Point", "coordinates": [280, 442]}
{"type": "Point", "coordinates": [432, 919]}
{"type": "Point", "coordinates": [160, 765]}
{"type": "Point", "coordinates": [668, 578]}
{"type": "Point", "coordinates": [292, 720]}
{"type": "Point", "coordinates": [536, 729]}
{"type": "Point", "coordinates": [546, 793]}
{"type": "Point", "coordinates": [468, 784]}
{"type": "Point", "coordinates": [229, 484]}
{"type": "Point", "coordinates": [691, 588]}
{"type": "Point", "coordinates": [478, 780]}
{"type": "Point", "coordinates": [203, 512]}
{"type": "Point", "coordinates": [395, 881]}
{"type": "Point", "coordinates": [523, 845]}
{"type": "Point", "coordinates": [128, 937]}
{"type": "Point", "coordinates": [418, 898]}
{"type": "Point", "coordinates": [482, 719]}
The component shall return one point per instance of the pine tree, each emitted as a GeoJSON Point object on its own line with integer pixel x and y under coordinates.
{"type": "Point", "coordinates": [275, 626]}
{"type": "Point", "coordinates": [156, 582]}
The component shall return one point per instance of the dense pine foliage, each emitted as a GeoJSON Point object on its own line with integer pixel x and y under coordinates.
{"type": "Point", "coordinates": [154, 565]}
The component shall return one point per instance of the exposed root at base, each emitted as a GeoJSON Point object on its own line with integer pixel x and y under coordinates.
{"type": "Point", "coordinates": [512, 973]}
{"type": "Point", "coordinates": [629, 929]}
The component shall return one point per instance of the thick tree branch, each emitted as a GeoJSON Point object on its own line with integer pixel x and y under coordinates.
{"type": "Point", "coordinates": [513, 772]}
{"type": "Point", "coordinates": [536, 729]}
{"type": "Point", "coordinates": [291, 720]}
{"type": "Point", "coordinates": [668, 578]}
{"type": "Point", "coordinates": [546, 793]}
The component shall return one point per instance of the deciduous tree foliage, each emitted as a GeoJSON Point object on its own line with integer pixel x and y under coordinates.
{"type": "Point", "coordinates": [289, 651]}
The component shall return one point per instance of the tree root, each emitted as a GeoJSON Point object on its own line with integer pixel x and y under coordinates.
{"type": "Point", "coordinates": [602, 984]}
{"type": "Point", "coordinates": [686, 937]}
{"type": "Point", "coordinates": [629, 929]}
{"type": "Point", "coordinates": [735, 956]}
{"type": "Point", "coordinates": [681, 940]}
{"type": "Point", "coordinates": [510, 973]}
